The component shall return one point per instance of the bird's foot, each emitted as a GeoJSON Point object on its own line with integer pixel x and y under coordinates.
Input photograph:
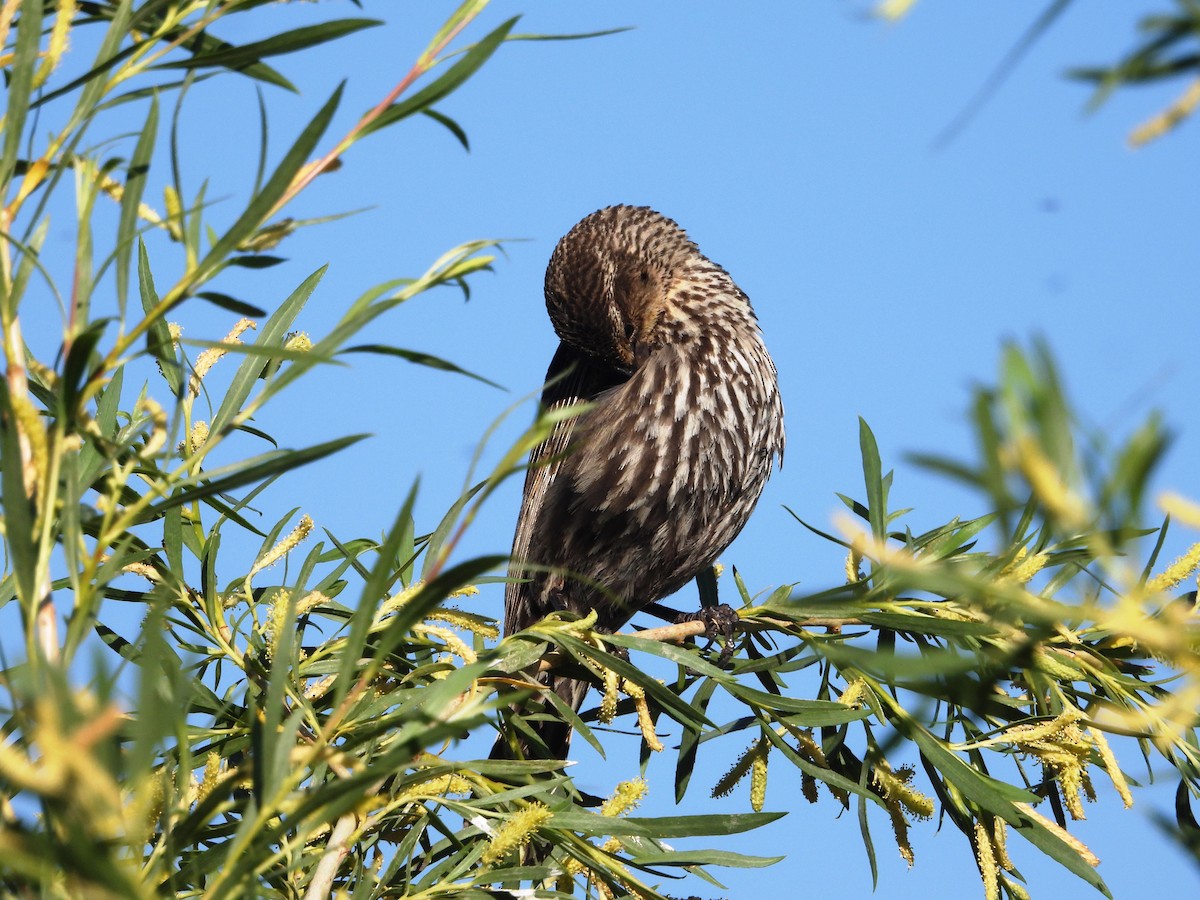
{"type": "Point", "coordinates": [718, 620]}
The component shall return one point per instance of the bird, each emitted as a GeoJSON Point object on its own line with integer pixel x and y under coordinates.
{"type": "Point", "coordinates": [627, 502]}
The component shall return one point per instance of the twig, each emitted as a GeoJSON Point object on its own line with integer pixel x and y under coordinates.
{"type": "Point", "coordinates": [681, 631]}
{"type": "Point", "coordinates": [335, 852]}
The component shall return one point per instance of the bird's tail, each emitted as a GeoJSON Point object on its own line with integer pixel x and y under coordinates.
{"type": "Point", "coordinates": [551, 738]}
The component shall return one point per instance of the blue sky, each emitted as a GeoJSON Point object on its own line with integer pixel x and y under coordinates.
{"type": "Point", "coordinates": [796, 143]}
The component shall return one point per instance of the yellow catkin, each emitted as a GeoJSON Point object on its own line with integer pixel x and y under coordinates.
{"type": "Point", "coordinates": [900, 832]}
{"type": "Point", "coordinates": [645, 721]}
{"type": "Point", "coordinates": [59, 40]}
{"type": "Point", "coordinates": [1176, 571]}
{"type": "Point", "coordinates": [608, 704]}
{"type": "Point", "coordinates": [158, 427]}
{"type": "Point", "coordinates": [516, 832]}
{"type": "Point", "coordinates": [1024, 566]}
{"type": "Point", "coordinates": [986, 857]}
{"type": "Point", "coordinates": [1111, 766]}
{"type": "Point", "coordinates": [282, 549]}
{"type": "Point", "coordinates": [1181, 509]}
{"type": "Point", "coordinates": [758, 775]}
{"type": "Point", "coordinates": [453, 642]}
{"type": "Point", "coordinates": [895, 787]}
{"type": "Point", "coordinates": [1000, 844]}
{"type": "Point", "coordinates": [1047, 484]}
{"type": "Point", "coordinates": [625, 798]}
{"type": "Point", "coordinates": [808, 787]}
{"type": "Point", "coordinates": [853, 566]}
{"type": "Point", "coordinates": [277, 619]}
{"type": "Point", "coordinates": [139, 568]}
{"type": "Point", "coordinates": [736, 773]}
{"type": "Point", "coordinates": [1167, 119]}
{"type": "Point", "coordinates": [30, 423]}
{"type": "Point", "coordinates": [1062, 748]}
{"type": "Point", "coordinates": [718, 569]}
{"type": "Point", "coordinates": [1080, 848]}
{"type": "Point", "coordinates": [299, 341]}
{"type": "Point", "coordinates": [892, 10]}
{"type": "Point", "coordinates": [7, 13]}
{"type": "Point", "coordinates": [463, 622]}
{"type": "Point", "coordinates": [206, 360]}
{"type": "Point", "coordinates": [854, 693]}
{"type": "Point", "coordinates": [211, 777]}
{"type": "Point", "coordinates": [197, 437]}
{"type": "Point", "coordinates": [1015, 889]}
{"type": "Point", "coordinates": [810, 748]}
{"type": "Point", "coordinates": [440, 786]}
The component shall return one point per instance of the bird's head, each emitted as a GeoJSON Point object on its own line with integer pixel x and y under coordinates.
{"type": "Point", "coordinates": [610, 280]}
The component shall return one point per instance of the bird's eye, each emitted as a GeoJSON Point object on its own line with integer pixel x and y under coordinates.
{"type": "Point", "coordinates": [644, 276]}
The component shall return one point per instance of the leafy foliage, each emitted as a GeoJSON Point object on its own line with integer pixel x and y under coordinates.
{"type": "Point", "coordinates": [302, 733]}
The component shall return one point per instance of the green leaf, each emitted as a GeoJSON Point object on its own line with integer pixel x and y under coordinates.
{"type": "Point", "coordinates": [18, 510]}
{"type": "Point", "coordinates": [232, 304]}
{"type": "Point", "coordinates": [873, 476]}
{"type": "Point", "coordinates": [725, 858]}
{"type": "Point", "coordinates": [996, 797]}
{"type": "Point", "coordinates": [1057, 849]}
{"type": "Point", "coordinates": [258, 468]}
{"type": "Point", "coordinates": [20, 86]}
{"type": "Point", "coordinates": [158, 335]}
{"type": "Point", "coordinates": [244, 57]}
{"type": "Point", "coordinates": [428, 597]}
{"type": "Point", "coordinates": [449, 81]}
{"type": "Point", "coordinates": [373, 593]}
{"type": "Point", "coordinates": [270, 336]}
{"type": "Point", "coordinates": [272, 192]}
{"type": "Point", "coordinates": [131, 198]}
{"type": "Point", "coordinates": [662, 828]}
{"type": "Point", "coordinates": [450, 125]}
{"type": "Point", "coordinates": [421, 359]}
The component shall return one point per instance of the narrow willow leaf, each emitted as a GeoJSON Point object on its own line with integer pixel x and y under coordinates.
{"type": "Point", "coordinates": [232, 304]}
{"type": "Point", "coordinates": [239, 59]}
{"type": "Point", "coordinates": [421, 359]}
{"type": "Point", "coordinates": [685, 763]}
{"type": "Point", "coordinates": [249, 471]}
{"type": "Point", "coordinates": [678, 708]}
{"type": "Point", "coordinates": [264, 201]}
{"type": "Point", "coordinates": [158, 335]}
{"type": "Point", "coordinates": [371, 597]}
{"type": "Point", "coordinates": [271, 335]}
{"type": "Point", "coordinates": [725, 858]}
{"type": "Point", "coordinates": [18, 511]}
{"type": "Point", "coordinates": [20, 86]}
{"type": "Point", "coordinates": [428, 596]}
{"type": "Point", "coordinates": [688, 659]}
{"type": "Point", "coordinates": [131, 198]}
{"type": "Point", "coordinates": [1059, 851]}
{"type": "Point", "coordinates": [449, 81]}
{"type": "Point", "coordinates": [450, 125]}
{"type": "Point", "coordinates": [996, 797]}
{"type": "Point", "coordinates": [435, 548]}
{"type": "Point", "coordinates": [661, 828]}
{"type": "Point", "coordinates": [873, 477]}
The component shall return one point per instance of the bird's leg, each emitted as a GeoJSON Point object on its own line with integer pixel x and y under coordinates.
{"type": "Point", "coordinates": [718, 619]}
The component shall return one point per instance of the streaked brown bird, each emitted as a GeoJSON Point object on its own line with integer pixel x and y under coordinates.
{"type": "Point", "coordinates": [641, 492]}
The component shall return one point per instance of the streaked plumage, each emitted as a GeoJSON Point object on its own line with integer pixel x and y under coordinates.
{"type": "Point", "coordinates": [643, 491]}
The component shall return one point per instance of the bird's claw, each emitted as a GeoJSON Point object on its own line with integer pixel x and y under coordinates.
{"type": "Point", "coordinates": [718, 620]}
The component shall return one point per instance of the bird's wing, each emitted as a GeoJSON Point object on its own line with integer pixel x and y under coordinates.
{"type": "Point", "coordinates": [572, 378]}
